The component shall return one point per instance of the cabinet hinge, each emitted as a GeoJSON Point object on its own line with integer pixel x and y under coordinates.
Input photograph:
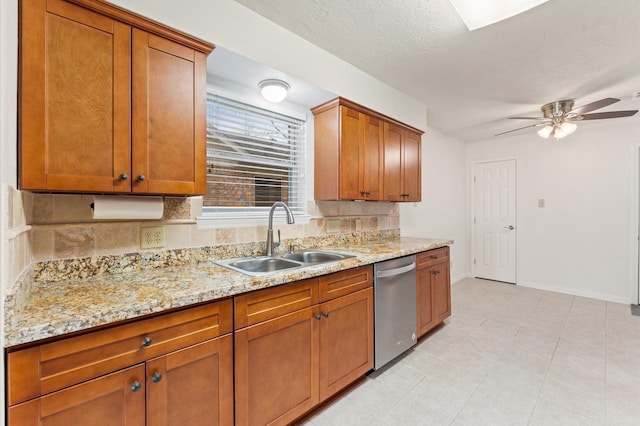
{"type": "Point", "coordinates": [474, 220]}
{"type": "Point", "coordinates": [474, 261]}
{"type": "Point", "coordinates": [474, 178]}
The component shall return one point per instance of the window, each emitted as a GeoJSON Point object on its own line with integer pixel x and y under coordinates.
{"type": "Point", "coordinates": [254, 158]}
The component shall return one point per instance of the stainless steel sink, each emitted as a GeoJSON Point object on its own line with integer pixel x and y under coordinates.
{"type": "Point", "coordinates": [315, 256]}
{"type": "Point", "coordinates": [256, 266]}
{"type": "Point", "coordinates": [263, 264]}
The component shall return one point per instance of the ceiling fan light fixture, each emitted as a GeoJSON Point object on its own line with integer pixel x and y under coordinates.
{"type": "Point", "coordinates": [564, 129]}
{"type": "Point", "coordinates": [545, 131]}
{"type": "Point", "coordinates": [274, 90]}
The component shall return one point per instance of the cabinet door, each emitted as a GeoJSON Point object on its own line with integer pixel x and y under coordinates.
{"type": "Point", "coordinates": [411, 179]}
{"type": "Point", "coordinates": [372, 149]}
{"type": "Point", "coordinates": [116, 399]}
{"type": "Point", "coordinates": [169, 131]}
{"type": "Point", "coordinates": [276, 369]}
{"type": "Point", "coordinates": [193, 386]}
{"type": "Point", "coordinates": [441, 291]}
{"type": "Point", "coordinates": [392, 163]}
{"type": "Point", "coordinates": [346, 340]}
{"type": "Point", "coordinates": [74, 99]}
{"type": "Point", "coordinates": [350, 157]}
{"type": "Point", "coordinates": [424, 300]}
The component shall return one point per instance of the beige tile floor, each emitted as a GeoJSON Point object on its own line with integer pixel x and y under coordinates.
{"type": "Point", "coordinates": [508, 355]}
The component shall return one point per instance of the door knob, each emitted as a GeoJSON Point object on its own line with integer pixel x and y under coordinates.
{"type": "Point", "coordinates": [510, 227]}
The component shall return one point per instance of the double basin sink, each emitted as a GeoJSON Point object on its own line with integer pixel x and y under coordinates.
{"type": "Point", "coordinates": [262, 265]}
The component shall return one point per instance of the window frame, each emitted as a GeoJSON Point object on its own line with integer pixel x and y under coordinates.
{"type": "Point", "coordinates": [227, 216]}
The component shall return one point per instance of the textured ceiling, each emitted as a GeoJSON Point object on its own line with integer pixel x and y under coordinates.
{"type": "Point", "coordinates": [471, 81]}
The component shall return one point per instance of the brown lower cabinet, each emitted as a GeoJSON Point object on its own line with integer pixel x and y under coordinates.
{"type": "Point", "coordinates": [293, 346]}
{"type": "Point", "coordinates": [303, 343]}
{"type": "Point", "coordinates": [433, 289]}
{"type": "Point", "coordinates": [176, 368]}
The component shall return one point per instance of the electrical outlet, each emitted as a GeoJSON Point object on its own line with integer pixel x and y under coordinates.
{"type": "Point", "coordinates": [152, 237]}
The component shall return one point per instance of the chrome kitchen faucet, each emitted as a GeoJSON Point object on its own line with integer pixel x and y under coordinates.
{"type": "Point", "coordinates": [270, 243]}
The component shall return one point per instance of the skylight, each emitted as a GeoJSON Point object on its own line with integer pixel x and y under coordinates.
{"type": "Point", "coordinates": [477, 14]}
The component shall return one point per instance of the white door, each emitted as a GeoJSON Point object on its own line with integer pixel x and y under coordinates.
{"type": "Point", "coordinates": [494, 221]}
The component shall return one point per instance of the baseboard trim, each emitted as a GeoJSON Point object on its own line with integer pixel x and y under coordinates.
{"type": "Point", "coordinates": [461, 277]}
{"type": "Point", "coordinates": [576, 292]}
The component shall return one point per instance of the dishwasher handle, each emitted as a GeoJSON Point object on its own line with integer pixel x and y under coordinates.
{"type": "Point", "coordinates": [396, 271]}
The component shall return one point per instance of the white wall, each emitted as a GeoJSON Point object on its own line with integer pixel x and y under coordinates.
{"type": "Point", "coordinates": [583, 241]}
{"type": "Point", "coordinates": [8, 145]}
{"type": "Point", "coordinates": [443, 211]}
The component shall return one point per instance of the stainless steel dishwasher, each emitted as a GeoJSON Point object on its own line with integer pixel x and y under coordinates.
{"type": "Point", "coordinates": [394, 288]}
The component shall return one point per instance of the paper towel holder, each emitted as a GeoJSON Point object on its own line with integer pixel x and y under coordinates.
{"type": "Point", "coordinates": [114, 207]}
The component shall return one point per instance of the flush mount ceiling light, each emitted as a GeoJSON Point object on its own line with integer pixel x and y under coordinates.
{"type": "Point", "coordinates": [274, 90]}
{"type": "Point", "coordinates": [477, 14]}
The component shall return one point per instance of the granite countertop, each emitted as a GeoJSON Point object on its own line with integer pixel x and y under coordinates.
{"type": "Point", "coordinates": [52, 309]}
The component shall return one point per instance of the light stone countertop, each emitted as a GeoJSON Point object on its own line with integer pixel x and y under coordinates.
{"type": "Point", "coordinates": [53, 309]}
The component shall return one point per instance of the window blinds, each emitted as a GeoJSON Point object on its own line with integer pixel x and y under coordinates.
{"type": "Point", "coordinates": [254, 158]}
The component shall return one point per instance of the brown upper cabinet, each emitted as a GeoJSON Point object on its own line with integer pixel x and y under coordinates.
{"type": "Point", "coordinates": [109, 101]}
{"type": "Point", "coordinates": [402, 171]}
{"type": "Point", "coordinates": [357, 154]}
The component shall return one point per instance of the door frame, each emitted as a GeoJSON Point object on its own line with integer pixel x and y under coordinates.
{"type": "Point", "coordinates": [473, 209]}
{"type": "Point", "coordinates": [634, 243]}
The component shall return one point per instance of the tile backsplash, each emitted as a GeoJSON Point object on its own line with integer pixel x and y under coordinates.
{"type": "Point", "coordinates": [47, 227]}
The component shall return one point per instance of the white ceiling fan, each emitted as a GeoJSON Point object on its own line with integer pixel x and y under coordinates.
{"type": "Point", "coordinates": [558, 117]}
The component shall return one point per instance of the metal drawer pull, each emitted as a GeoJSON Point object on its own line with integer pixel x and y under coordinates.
{"type": "Point", "coordinates": [136, 386]}
{"type": "Point", "coordinates": [123, 176]}
{"type": "Point", "coordinates": [318, 317]}
{"type": "Point", "coordinates": [146, 342]}
{"type": "Point", "coordinates": [156, 377]}
{"type": "Point", "coordinates": [434, 257]}
{"type": "Point", "coordinates": [325, 314]}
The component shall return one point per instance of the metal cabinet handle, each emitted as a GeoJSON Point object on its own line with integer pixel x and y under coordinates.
{"type": "Point", "coordinates": [325, 314]}
{"type": "Point", "coordinates": [436, 272]}
{"type": "Point", "coordinates": [510, 227]}
{"type": "Point", "coordinates": [156, 377]}
{"type": "Point", "coordinates": [146, 342]}
{"type": "Point", "coordinates": [434, 257]}
{"type": "Point", "coordinates": [318, 317]}
{"type": "Point", "coordinates": [136, 386]}
{"type": "Point", "coordinates": [123, 176]}
{"type": "Point", "coordinates": [140, 178]}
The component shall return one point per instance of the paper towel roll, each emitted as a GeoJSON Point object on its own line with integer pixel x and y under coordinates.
{"type": "Point", "coordinates": [114, 207]}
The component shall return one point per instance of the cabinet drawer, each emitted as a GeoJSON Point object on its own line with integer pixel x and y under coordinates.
{"type": "Point", "coordinates": [432, 257]}
{"type": "Point", "coordinates": [345, 282]}
{"type": "Point", "coordinates": [42, 369]}
{"type": "Point", "coordinates": [262, 305]}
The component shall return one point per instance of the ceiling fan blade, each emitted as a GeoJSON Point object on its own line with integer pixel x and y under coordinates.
{"type": "Point", "coordinates": [529, 118]}
{"type": "Point", "coordinates": [593, 106]}
{"type": "Point", "coordinates": [520, 128]}
{"type": "Point", "coordinates": [611, 114]}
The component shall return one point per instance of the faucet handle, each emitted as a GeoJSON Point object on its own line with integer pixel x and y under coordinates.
{"type": "Point", "coordinates": [292, 247]}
